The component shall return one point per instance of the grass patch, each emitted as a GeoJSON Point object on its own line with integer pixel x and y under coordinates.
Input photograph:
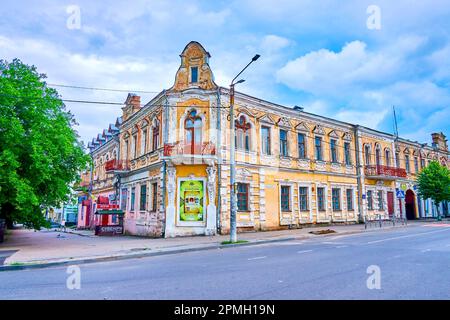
{"type": "Point", "coordinates": [237, 242]}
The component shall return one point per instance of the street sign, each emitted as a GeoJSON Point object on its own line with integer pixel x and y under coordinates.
{"type": "Point", "coordinates": [400, 194]}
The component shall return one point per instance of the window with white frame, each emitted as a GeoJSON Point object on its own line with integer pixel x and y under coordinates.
{"type": "Point", "coordinates": [321, 198]}
{"type": "Point", "coordinates": [349, 196]}
{"type": "Point", "coordinates": [285, 198]}
{"type": "Point", "coordinates": [336, 198]}
{"type": "Point", "coordinates": [303, 198]}
{"type": "Point", "coordinates": [265, 140]}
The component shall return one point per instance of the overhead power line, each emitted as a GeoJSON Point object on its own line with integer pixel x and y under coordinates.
{"type": "Point", "coordinates": [99, 89]}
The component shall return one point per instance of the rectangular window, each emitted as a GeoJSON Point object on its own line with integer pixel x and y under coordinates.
{"type": "Point", "coordinates": [154, 197]}
{"type": "Point", "coordinates": [349, 199]}
{"type": "Point", "coordinates": [143, 198]}
{"type": "Point", "coordinates": [125, 149]}
{"type": "Point", "coordinates": [336, 198]}
{"type": "Point", "coordinates": [144, 141]}
{"type": "Point", "coordinates": [133, 197]}
{"type": "Point", "coordinates": [303, 198]}
{"type": "Point", "coordinates": [422, 163]}
{"type": "Point", "coordinates": [265, 134]}
{"type": "Point", "coordinates": [321, 199]}
{"type": "Point", "coordinates": [380, 200]}
{"type": "Point", "coordinates": [242, 196]}
{"type": "Point", "coordinates": [134, 146]}
{"type": "Point", "coordinates": [155, 138]}
{"type": "Point", "coordinates": [283, 143]}
{"type": "Point", "coordinates": [301, 146]}
{"type": "Point", "coordinates": [285, 198]}
{"type": "Point", "coordinates": [369, 200]}
{"type": "Point", "coordinates": [333, 150]}
{"type": "Point", "coordinates": [123, 199]}
{"type": "Point", "coordinates": [407, 163]}
{"type": "Point", "coordinates": [194, 74]}
{"type": "Point", "coordinates": [348, 160]}
{"type": "Point", "coordinates": [318, 147]}
{"type": "Point", "coordinates": [416, 165]}
{"type": "Point", "coordinates": [397, 160]}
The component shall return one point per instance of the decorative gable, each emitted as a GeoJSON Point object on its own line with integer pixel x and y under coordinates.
{"type": "Point", "coordinates": [194, 71]}
{"type": "Point", "coordinates": [284, 122]}
{"type": "Point", "coordinates": [347, 136]}
{"type": "Point", "coordinates": [333, 134]}
{"type": "Point", "coordinates": [318, 130]}
{"type": "Point", "coordinates": [302, 126]}
{"type": "Point", "coordinates": [267, 119]}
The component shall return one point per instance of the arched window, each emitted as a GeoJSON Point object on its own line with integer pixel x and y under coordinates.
{"type": "Point", "coordinates": [387, 157]}
{"type": "Point", "coordinates": [367, 154]}
{"type": "Point", "coordinates": [243, 129]}
{"type": "Point", "coordinates": [193, 132]}
{"type": "Point", "coordinates": [378, 156]}
{"type": "Point", "coordinates": [155, 135]}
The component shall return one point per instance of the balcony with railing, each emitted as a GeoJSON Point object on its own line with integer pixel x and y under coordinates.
{"type": "Point", "coordinates": [384, 172]}
{"type": "Point", "coordinates": [188, 153]}
{"type": "Point", "coordinates": [117, 165]}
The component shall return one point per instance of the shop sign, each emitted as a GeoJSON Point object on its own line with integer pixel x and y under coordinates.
{"type": "Point", "coordinates": [191, 200]}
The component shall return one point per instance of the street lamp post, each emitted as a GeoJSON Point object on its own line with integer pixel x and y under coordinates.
{"type": "Point", "coordinates": [233, 200]}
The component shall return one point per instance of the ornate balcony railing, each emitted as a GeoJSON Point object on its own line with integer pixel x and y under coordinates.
{"type": "Point", "coordinates": [384, 171]}
{"type": "Point", "coordinates": [182, 149]}
{"type": "Point", "coordinates": [117, 165]}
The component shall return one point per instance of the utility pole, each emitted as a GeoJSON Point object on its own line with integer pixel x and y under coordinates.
{"type": "Point", "coordinates": [233, 202]}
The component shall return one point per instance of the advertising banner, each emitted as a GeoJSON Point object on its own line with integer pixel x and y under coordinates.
{"type": "Point", "coordinates": [191, 200]}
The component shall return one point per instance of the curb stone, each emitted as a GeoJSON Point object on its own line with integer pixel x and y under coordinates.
{"type": "Point", "coordinates": [126, 256]}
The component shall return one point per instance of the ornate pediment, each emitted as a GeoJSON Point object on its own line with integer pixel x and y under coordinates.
{"type": "Point", "coordinates": [302, 126]}
{"type": "Point", "coordinates": [406, 151]}
{"type": "Point", "coordinates": [266, 119]}
{"type": "Point", "coordinates": [333, 134]}
{"type": "Point", "coordinates": [143, 123]}
{"type": "Point", "coordinates": [243, 172]}
{"type": "Point", "coordinates": [284, 122]}
{"type": "Point", "coordinates": [347, 136]}
{"type": "Point", "coordinates": [318, 129]}
{"type": "Point", "coordinates": [194, 71]}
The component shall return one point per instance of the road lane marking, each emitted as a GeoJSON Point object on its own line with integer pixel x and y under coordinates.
{"type": "Point", "coordinates": [304, 251]}
{"type": "Point", "coordinates": [406, 236]}
{"type": "Point", "coordinates": [257, 258]}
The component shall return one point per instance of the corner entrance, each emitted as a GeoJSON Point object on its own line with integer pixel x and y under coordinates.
{"type": "Point", "coordinates": [410, 205]}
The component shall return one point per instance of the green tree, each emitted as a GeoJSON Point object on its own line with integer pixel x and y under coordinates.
{"type": "Point", "coordinates": [434, 183]}
{"type": "Point", "coordinates": [40, 154]}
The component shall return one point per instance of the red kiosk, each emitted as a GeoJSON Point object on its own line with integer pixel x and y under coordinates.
{"type": "Point", "coordinates": [105, 209]}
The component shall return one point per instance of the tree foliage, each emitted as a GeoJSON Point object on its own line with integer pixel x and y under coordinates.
{"type": "Point", "coordinates": [434, 182]}
{"type": "Point", "coordinates": [40, 155]}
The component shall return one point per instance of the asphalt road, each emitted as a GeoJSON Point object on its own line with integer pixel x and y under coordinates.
{"type": "Point", "coordinates": [414, 263]}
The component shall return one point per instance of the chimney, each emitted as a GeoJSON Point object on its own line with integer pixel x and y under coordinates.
{"type": "Point", "coordinates": [132, 105]}
{"type": "Point", "coordinates": [439, 141]}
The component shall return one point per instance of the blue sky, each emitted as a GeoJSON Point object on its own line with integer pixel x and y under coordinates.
{"type": "Point", "coordinates": [317, 54]}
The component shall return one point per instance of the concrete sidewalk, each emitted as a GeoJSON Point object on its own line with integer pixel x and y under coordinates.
{"type": "Point", "coordinates": [50, 247]}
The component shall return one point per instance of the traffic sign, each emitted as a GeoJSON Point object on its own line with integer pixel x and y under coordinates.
{"type": "Point", "coordinates": [400, 194]}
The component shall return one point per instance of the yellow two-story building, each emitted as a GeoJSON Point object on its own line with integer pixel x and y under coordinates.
{"type": "Point", "coordinates": [294, 168]}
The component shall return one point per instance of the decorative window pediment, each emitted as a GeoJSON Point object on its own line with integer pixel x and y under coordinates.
{"type": "Point", "coordinates": [347, 136]}
{"type": "Point", "coordinates": [334, 134]}
{"type": "Point", "coordinates": [319, 130]}
{"type": "Point", "coordinates": [415, 152]}
{"type": "Point", "coordinates": [302, 126]}
{"type": "Point", "coordinates": [126, 135]}
{"type": "Point", "coordinates": [143, 124]}
{"type": "Point", "coordinates": [135, 129]}
{"type": "Point", "coordinates": [284, 122]}
{"type": "Point", "coordinates": [267, 119]}
{"type": "Point", "coordinates": [406, 151]}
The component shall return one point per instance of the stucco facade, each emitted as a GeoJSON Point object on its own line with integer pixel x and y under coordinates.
{"type": "Point", "coordinates": [293, 168]}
